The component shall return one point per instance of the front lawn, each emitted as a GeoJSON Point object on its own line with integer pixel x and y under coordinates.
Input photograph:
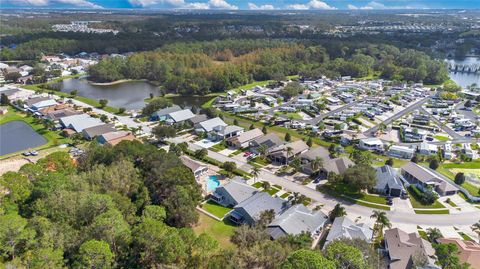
{"type": "Point", "coordinates": [258, 184]}
{"type": "Point", "coordinates": [220, 230]}
{"type": "Point", "coordinates": [261, 160]}
{"type": "Point", "coordinates": [215, 209]}
{"type": "Point", "coordinates": [285, 195]}
{"type": "Point", "coordinates": [219, 147]}
{"type": "Point", "coordinates": [342, 189]}
{"type": "Point", "coordinates": [435, 212]}
{"type": "Point", "coordinates": [272, 191]}
{"type": "Point", "coordinates": [441, 138]}
{"type": "Point", "coordinates": [465, 236]}
{"type": "Point", "coordinates": [414, 200]}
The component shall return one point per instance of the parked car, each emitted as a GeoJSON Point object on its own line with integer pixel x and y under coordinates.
{"type": "Point", "coordinates": [34, 153]}
{"type": "Point", "coordinates": [27, 153]}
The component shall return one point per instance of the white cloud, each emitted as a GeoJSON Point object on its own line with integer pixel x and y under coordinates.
{"type": "Point", "coordinates": [221, 4]}
{"type": "Point", "coordinates": [197, 5]}
{"type": "Point", "coordinates": [352, 7]}
{"type": "Point", "coordinates": [146, 3]}
{"type": "Point", "coordinates": [377, 5]}
{"type": "Point", "coordinates": [76, 3]}
{"type": "Point", "coordinates": [79, 3]}
{"type": "Point", "coordinates": [252, 6]}
{"type": "Point", "coordinates": [313, 4]}
{"type": "Point", "coordinates": [29, 2]}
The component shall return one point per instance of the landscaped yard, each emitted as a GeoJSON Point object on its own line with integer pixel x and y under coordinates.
{"type": "Point", "coordinates": [465, 236]}
{"type": "Point", "coordinates": [272, 191]}
{"type": "Point", "coordinates": [220, 230]}
{"type": "Point", "coordinates": [441, 138]}
{"type": "Point", "coordinates": [261, 160]}
{"type": "Point", "coordinates": [451, 169]}
{"type": "Point", "coordinates": [285, 195]}
{"type": "Point", "coordinates": [414, 200]}
{"type": "Point", "coordinates": [215, 209]}
{"type": "Point", "coordinates": [343, 191]}
{"type": "Point", "coordinates": [219, 147]}
{"type": "Point", "coordinates": [258, 184]}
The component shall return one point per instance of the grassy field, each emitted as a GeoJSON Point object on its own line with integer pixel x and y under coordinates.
{"type": "Point", "coordinates": [53, 137]}
{"type": "Point", "coordinates": [220, 230]}
{"type": "Point", "coordinates": [451, 169]}
{"type": "Point", "coordinates": [215, 209]}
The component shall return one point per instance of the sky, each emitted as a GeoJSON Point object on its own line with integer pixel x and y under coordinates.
{"type": "Point", "coordinates": [247, 5]}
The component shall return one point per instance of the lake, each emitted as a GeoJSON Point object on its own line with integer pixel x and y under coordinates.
{"type": "Point", "coordinates": [18, 136]}
{"type": "Point", "coordinates": [130, 95]}
{"type": "Point", "coordinates": [465, 79]}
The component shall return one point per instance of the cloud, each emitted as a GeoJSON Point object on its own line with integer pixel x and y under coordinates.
{"type": "Point", "coordinates": [181, 4]}
{"type": "Point", "coordinates": [313, 4]}
{"type": "Point", "coordinates": [37, 3]}
{"type": "Point", "coordinates": [196, 5]}
{"type": "Point", "coordinates": [146, 3]}
{"type": "Point", "coordinates": [252, 6]}
{"type": "Point", "coordinates": [221, 4]}
{"type": "Point", "coordinates": [377, 5]}
{"type": "Point", "coordinates": [352, 7]}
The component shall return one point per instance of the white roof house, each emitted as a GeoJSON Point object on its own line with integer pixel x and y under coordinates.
{"type": "Point", "coordinates": [401, 152]}
{"type": "Point", "coordinates": [343, 227]}
{"type": "Point", "coordinates": [80, 122]}
{"type": "Point", "coordinates": [43, 104]}
{"type": "Point", "coordinates": [209, 125]}
{"type": "Point", "coordinates": [370, 144]}
{"type": "Point", "coordinates": [181, 115]}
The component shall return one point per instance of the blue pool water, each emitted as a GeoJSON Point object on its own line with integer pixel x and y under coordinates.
{"type": "Point", "coordinates": [212, 183]}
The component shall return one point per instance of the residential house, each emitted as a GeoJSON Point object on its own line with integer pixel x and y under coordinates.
{"type": "Point", "coordinates": [179, 116]}
{"type": "Point", "coordinates": [296, 220]}
{"type": "Point", "coordinates": [224, 132]}
{"type": "Point", "coordinates": [402, 248]}
{"type": "Point", "coordinates": [43, 104]}
{"type": "Point", "coordinates": [79, 122]}
{"type": "Point", "coordinates": [337, 166]}
{"type": "Point", "coordinates": [243, 139]}
{"type": "Point", "coordinates": [198, 118]}
{"type": "Point", "coordinates": [31, 101]}
{"type": "Point", "coordinates": [371, 144]}
{"type": "Point", "coordinates": [233, 193]}
{"type": "Point", "coordinates": [388, 182]}
{"type": "Point", "coordinates": [92, 132]}
{"type": "Point", "coordinates": [161, 114]}
{"type": "Point", "coordinates": [281, 154]}
{"type": "Point", "coordinates": [343, 227]}
{"type": "Point", "coordinates": [116, 137]}
{"type": "Point", "coordinates": [333, 101]}
{"type": "Point", "coordinates": [209, 125]}
{"type": "Point", "coordinates": [197, 168]}
{"type": "Point", "coordinates": [401, 152]}
{"type": "Point", "coordinates": [427, 149]}
{"type": "Point", "coordinates": [249, 211]}
{"type": "Point", "coordinates": [310, 155]}
{"type": "Point", "coordinates": [423, 177]}
{"type": "Point", "coordinates": [469, 250]}
{"type": "Point", "coordinates": [413, 134]}
{"type": "Point", "coordinates": [447, 151]}
{"type": "Point", "coordinates": [269, 141]}
{"type": "Point", "coordinates": [467, 150]}
{"type": "Point", "coordinates": [56, 115]}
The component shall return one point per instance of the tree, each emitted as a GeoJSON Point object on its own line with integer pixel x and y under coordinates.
{"type": "Point", "coordinates": [255, 173]}
{"type": "Point", "coordinates": [433, 164]}
{"type": "Point", "coordinates": [298, 198]}
{"type": "Point", "coordinates": [44, 258]}
{"type": "Point", "coordinates": [337, 211]}
{"type": "Point", "coordinates": [389, 162]}
{"type": "Point", "coordinates": [48, 124]}
{"type": "Point", "coordinates": [201, 153]}
{"type": "Point", "coordinates": [266, 217]}
{"type": "Point", "coordinates": [360, 177]}
{"type": "Point", "coordinates": [103, 103]}
{"type": "Point", "coordinates": [459, 178]}
{"type": "Point", "coordinates": [161, 132]}
{"type": "Point", "coordinates": [264, 130]}
{"type": "Point", "coordinates": [4, 101]}
{"type": "Point", "coordinates": [434, 234]}
{"type": "Point", "coordinates": [316, 164]}
{"type": "Point", "coordinates": [121, 110]}
{"type": "Point", "coordinates": [468, 103]}
{"type": "Point", "coordinates": [307, 259]}
{"type": "Point", "coordinates": [251, 127]}
{"type": "Point", "coordinates": [95, 254]}
{"type": "Point", "coordinates": [247, 236]}
{"type": "Point", "coordinates": [112, 228]}
{"type": "Point", "coordinates": [263, 150]}
{"type": "Point", "coordinates": [229, 166]}
{"type": "Point", "coordinates": [414, 159]}
{"type": "Point", "coordinates": [235, 122]}
{"type": "Point", "coordinates": [17, 186]}
{"type": "Point", "coordinates": [14, 235]}
{"type": "Point", "coordinates": [309, 142]}
{"type": "Point", "coordinates": [447, 255]}
{"type": "Point", "coordinates": [361, 157]}
{"type": "Point", "coordinates": [381, 220]}
{"type": "Point", "coordinates": [12, 76]}
{"type": "Point", "coordinates": [345, 256]}
{"type": "Point", "coordinates": [73, 93]}
{"type": "Point", "coordinates": [155, 104]}
{"type": "Point", "coordinates": [288, 137]}
{"type": "Point", "coordinates": [266, 185]}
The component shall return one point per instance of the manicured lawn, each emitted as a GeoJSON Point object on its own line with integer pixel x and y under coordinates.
{"type": "Point", "coordinates": [261, 160]}
{"type": "Point", "coordinates": [277, 186]}
{"type": "Point", "coordinates": [417, 204]}
{"type": "Point", "coordinates": [272, 191]}
{"type": "Point", "coordinates": [451, 203]}
{"type": "Point", "coordinates": [285, 195]}
{"type": "Point", "coordinates": [441, 138]}
{"type": "Point", "coordinates": [465, 236]}
{"type": "Point", "coordinates": [290, 115]}
{"type": "Point", "coordinates": [53, 137]}
{"type": "Point", "coordinates": [343, 191]}
{"type": "Point", "coordinates": [423, 234]}
{"type": "Point", "coordinates": [219, 147]}
{"type": "Point", "coordinates": [236, 152]}
{"type": "Point", "coordinates": [307, 201]}
{"type": "Point", "coordinates": [215, 209]}
{"type": "Point", "coordinates": [467, 165]}
{"type": "Point", "coordinates": [434, 212]}
{"type": "Point", "coordinates": [257, 185]}
{"type": "Point", "coordinates": [451, 169]}
{"type": "Point", "coordinates": [221, 231]}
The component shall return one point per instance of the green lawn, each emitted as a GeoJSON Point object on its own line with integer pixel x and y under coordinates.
{"type": "Point", "coordinates": [215, 209]}
{"type": "Point", "coordinates": [272, 191]}
{"type": "Point", "coordinates": [451, 203]}
{"type": "Point", "coordinates": [219, 147]}
{"type": "Point", "coordinates": [423, 234]}
{"type": "Point", "coordinates": [261, 160]}
{"type": "Point", "coordinates": [290, 115]}
{"type": "Point", "coordinates": [53, 137]}
{"type": "Point", "coordinates": [444, 169]}
{"type": "Point", "coordinates": [258, 184]}
{"type": "Point", "coordinates": [465, 236]}
{"type": "Point", "coordinates": [220, 230]}
{"type": "Point", "coordinates": [441, 138]}
{"type": "Point", "coordinates": [343, 191]}
{"type": "Point", "coordinates": [417, 204]}
{"type": "Point", "coordinates": [285, 195]}
{"type": "Point", "coordinates": [432, 212]}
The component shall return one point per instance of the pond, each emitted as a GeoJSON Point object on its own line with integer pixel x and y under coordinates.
{"type": "Point", "coordinates": [17, 136]}
{"type": "Point", "coordinates": [130, 95]}
{"type": "Point", "coordinates": [462, 78]}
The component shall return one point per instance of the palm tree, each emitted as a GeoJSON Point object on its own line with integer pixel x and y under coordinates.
{"type": "Point", "coordinates": [266, 185]}
{"type": "Point", "coordinates": [289, 152]}
{"type": "Point", "coordinates": [381, 219]}
{"type": "Point", "coordinates": [316, 164]}
{"type": "Point", "coordinates": [337, 211]}
{"type": "Point", "coordinates": [476, 228]}
{"type": "Point", "coordinates": [434, 234]}
{"type": "Point", "coordinates": [48, 124]}
{"type": "Point", "coordinates": [262, 149]}
{"type": "Point", "coordinates": [255, 173]}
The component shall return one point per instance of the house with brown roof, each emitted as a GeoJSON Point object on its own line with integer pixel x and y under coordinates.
{"type": "Point", "coordinates": [337, 166]}
{"type": "Point", "coordinates": [197, 168]}
{"type": "Point", "coordinates": [281, 154]}
{"type": "Point", "coordinates": [423, 178]}
{"type": "Point", "coordinates": [116, 137]}
{"type": "Point", "coordinates": [404, 248]}
{"type": "Point", "coordinates": [56, 115]}
{"type": "Point", "coordinates": [469, 251]}
{"type": "Point", "coordinates": [94, 131]}
{"type": "Point", "coordinates": [242, 140]}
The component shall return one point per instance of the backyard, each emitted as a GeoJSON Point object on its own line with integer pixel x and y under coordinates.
{"type": "Point", "coordinates": [219, 230]}
{"type": "Point", "coordinates": [215, 209]}
{"type": "Point", "coordinates": [468, 168]}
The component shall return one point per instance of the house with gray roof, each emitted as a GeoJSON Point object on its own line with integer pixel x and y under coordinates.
{"type": "Point", "coordinates": [388, 182]}
{"type": "Point", "coordinates": [161, 114]}
{"type": "Point", "coordinates": [295, 220]}
{"type": "Point", "coordinates": [197, 168]}
{"type": "Point", "coordinates": [79, 122]}
{"type": "Point", "coordinates": [281, 155]}
{"type": "Point", "coordinates": [249, 211]}
{"type": "Point", "coordinates": [343, 227]}
{"type": "Point", "coordinates": [270, 141]}
{"type": "Point", "coordinates": [233, 193]}
{"type": "Point", "coordinates": [43, 104]}
{"type": "Point", "coordinates": [94, 131]}
{"type": "Point", "coordinates": [242, 140]}
{"type": "Point", "coordinates": [208, 125]}
{"type": "Point", "coordinates": [425, 178]}
{"type": "Point", "coordinates": [402, 248]}
{"type": "Point", "coordinates": [31, 101]}
{"type": "Point", "coordinates": [337, 166]}
{"type": "Point", "coordinates": [198, 118]}
{"type": "Point", "coordinates": [225, 132]}
{"type": "Point", "coordinates": [179, 116]}
{"type": "Point", "coordinates": [61, 113]}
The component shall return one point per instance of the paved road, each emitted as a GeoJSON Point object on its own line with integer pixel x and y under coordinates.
{"type": "Point", "coordinates": [444, 127]}
{"type": "Point", "coordinates": [397, 217]}
{"type": "Point", "coordinates": [398, 115]}
{"type": "Point", "coordinates": [319, 118]}
{"type": "Point", "coordinates": [460, 109]}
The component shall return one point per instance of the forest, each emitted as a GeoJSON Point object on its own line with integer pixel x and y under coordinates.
{"type": "Point", "coordinates": [133, 206]}
{"type": "Point", "coordinates": [216, 66]}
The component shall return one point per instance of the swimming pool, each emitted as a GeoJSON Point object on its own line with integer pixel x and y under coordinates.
{"type": "Point", "coordinates": [212, 183]}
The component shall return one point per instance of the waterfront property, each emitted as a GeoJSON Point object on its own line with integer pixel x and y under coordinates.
{"type": "Point", "coordinates": [17, 136]}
